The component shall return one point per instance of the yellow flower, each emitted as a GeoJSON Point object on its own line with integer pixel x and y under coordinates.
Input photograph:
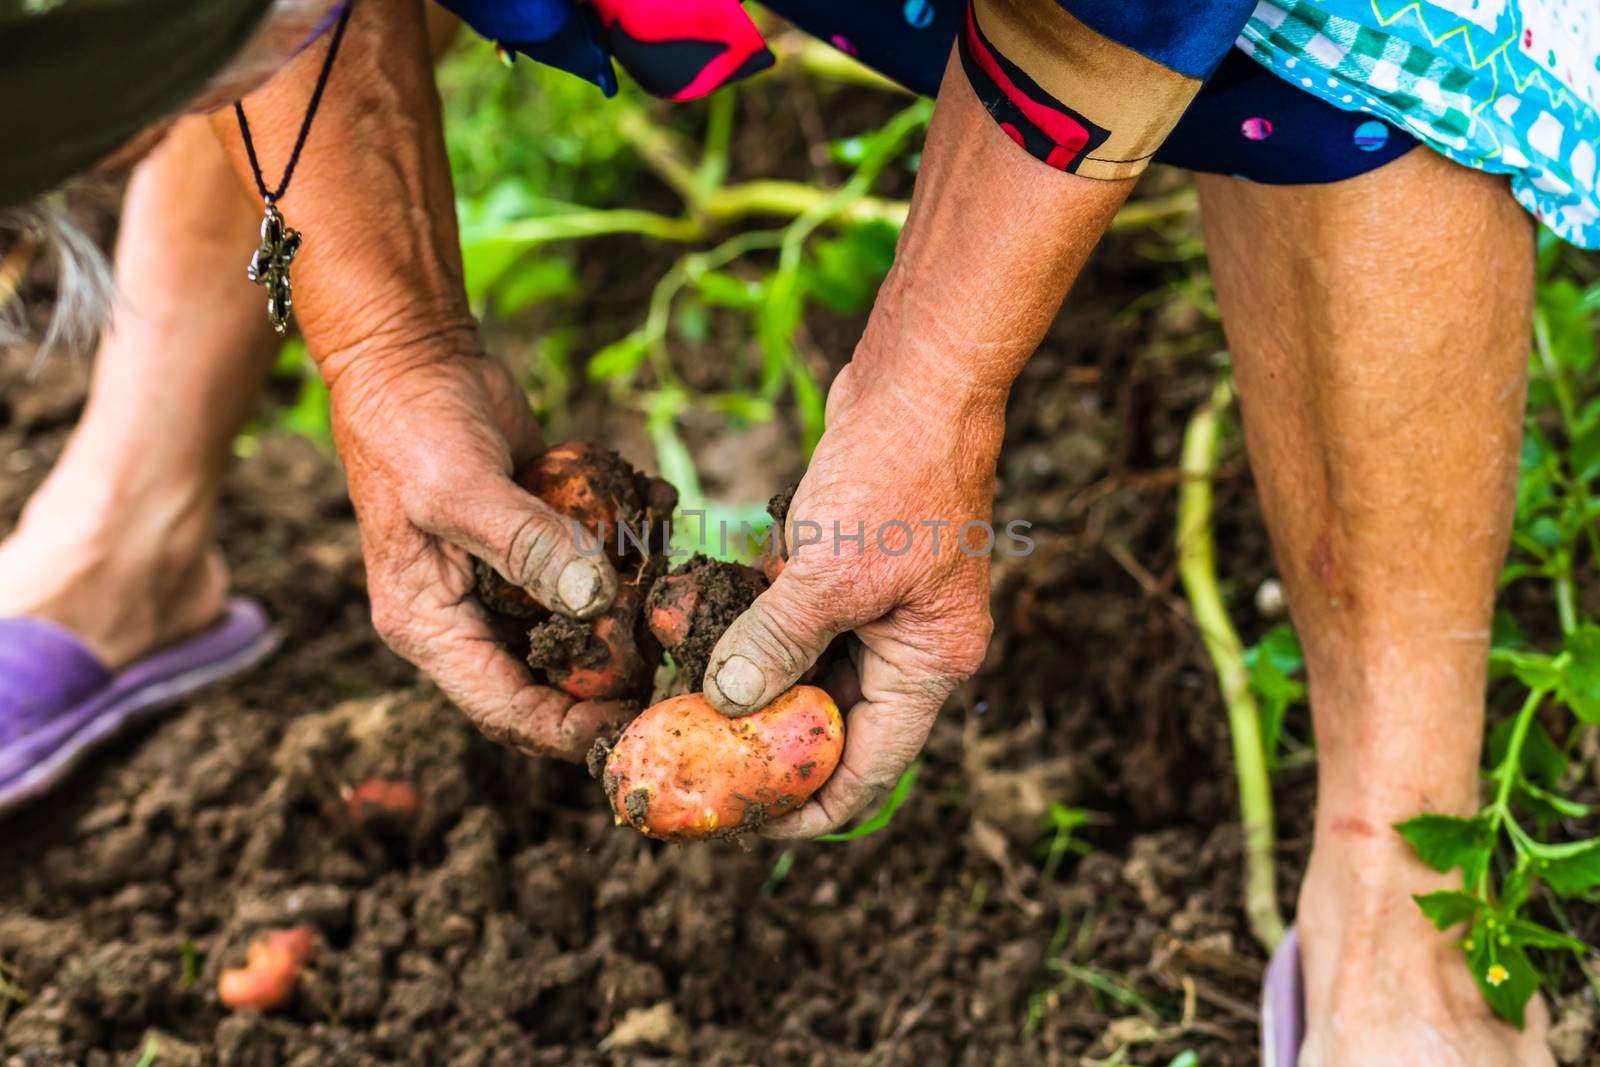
{"type": "Point", "coordinates": [1497, 974]}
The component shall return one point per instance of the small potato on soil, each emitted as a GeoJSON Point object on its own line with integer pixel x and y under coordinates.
{"type": "Point", "coordinates": [378, 798]}
{"type": "Point", "coordinates": [682, 771]}
{"type": "Point", "coordinates": [273, 965]}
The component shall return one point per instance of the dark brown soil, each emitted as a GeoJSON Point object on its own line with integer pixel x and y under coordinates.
{"type": "Point", "coordinates": [509, 922]}
{"type": "Point", "coordinates": [722, 593]}
{"type": "Point", "coordinates": [560, 641]}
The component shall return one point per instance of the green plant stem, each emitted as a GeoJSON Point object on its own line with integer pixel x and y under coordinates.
{"type": "Point", "coordinates": [1197, 568]}
{"type": "Point", "coordinates": [781, 199]}
{"type": "Point", "coordinates": [1142, 214]}
{"type": "Point", "coordinates": [801, 53]}
{"type": "Point", "coordinates": [568, 226]}
{"type": "Point", "coordinates": [1506, 774]}
{"type": "Point", "coordinates": [773, 197]}
{"type": "Point", "coordinates": [1566, 601]}
{"type": "Point", "coordinates": [713, 168]}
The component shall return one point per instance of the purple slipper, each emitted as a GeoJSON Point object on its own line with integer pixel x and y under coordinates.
{"type": "Point", "coordinates": [57, 701]}
{"type": "Point", "coordinates": [1283, 1008]}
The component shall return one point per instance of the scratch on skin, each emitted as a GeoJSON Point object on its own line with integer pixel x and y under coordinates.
{"type": "Point", "coordinates": [1354, 827]}
{"type": "Point", "coordinates": [1322, 565]}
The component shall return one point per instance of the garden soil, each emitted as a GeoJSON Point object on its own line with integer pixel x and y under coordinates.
{"type": "Point", "coordinates": [508, 922]}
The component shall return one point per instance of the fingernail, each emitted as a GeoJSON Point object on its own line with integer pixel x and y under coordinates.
{"type": "Point", "coordinates": [579, 584]}
{"type": "Point", "coordinates": [740, 681]}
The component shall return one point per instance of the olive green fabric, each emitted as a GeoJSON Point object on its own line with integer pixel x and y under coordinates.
{"type": "Point", "coordinates": [78, 78]}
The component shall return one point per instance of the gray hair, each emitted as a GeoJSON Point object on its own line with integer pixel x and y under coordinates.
{"type": "Point", "coordinates": [83, 280]}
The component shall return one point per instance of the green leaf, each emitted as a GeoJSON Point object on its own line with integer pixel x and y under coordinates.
{"type": "Point", "coordinates": [1514, 891]}
{"type": "Point", "coordinates": [1448, 908]}
{"type": "Point", "coordinates": [884, 815]}
{"type": "Point", "coordinates": [1580, 682]}
{"type": "Point", "coordinates": [1532, 935]}
{"type": "Point", "coordinates": [1542, 759]}
{"type": "Point", "coordinates": [1276, 693]}
{"type": "Point", "coordinates": [1506, 634]}
{"type": "Point", "coordinates": [1532, 669]}
{"type": "Point", "coordinates": [692, 322]}
{"type": "Point", "coordinates": [720, 289]}
{"type": "Point", "coordinates": [619, 359]}
{"type": "Point", "coordinates": [535, 282]}
{"type": "Point", "coordinates": [1586, 454]}
{"type": "Point", "coordinates": [844, 272]}
{"type": "Point", "coordinates": [1570, 869]}
{"type": "Point", "coordinates": [1505, 975]}
{"type": "Point", "coordinates": [1444, 842]}
{"type": "Point", "coordinates": [811, 403]}
{"type": "Point", "coordinates": [1281, 645]}
{"type": "Point", "coordinates": [776, 322]}
{"type": "Point", "coordinates": [673, 458]}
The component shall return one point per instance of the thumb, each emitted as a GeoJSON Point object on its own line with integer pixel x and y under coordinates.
{"type": "Point", "coordinates": [774, 642]}
{"type": "Point", "coordinates": [562, 565]}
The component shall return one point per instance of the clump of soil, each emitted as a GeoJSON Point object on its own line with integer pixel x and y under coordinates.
{"type": "Point", "coordinates": [701, 598]}
{"type": "Point", "coordinates": [777, 544]}
{"type": "Point", "coordinates": [560, 642]}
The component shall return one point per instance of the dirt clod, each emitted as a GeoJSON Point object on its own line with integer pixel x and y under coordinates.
{"type": "Point", "coordinates": [721, 592]}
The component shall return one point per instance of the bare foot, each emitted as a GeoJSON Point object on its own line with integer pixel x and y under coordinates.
{"type": "Point", "coordinates": [127, 577]}
{"type": "Point", "coordinates": [1383, 987]}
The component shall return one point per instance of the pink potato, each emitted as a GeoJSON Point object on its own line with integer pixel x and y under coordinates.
{"type": "Point", "coordinates": [272, 970]}
{"type": "Point", "coordinates": [682, 771]}
{"type": "Point", "coordinates": [380, 798]}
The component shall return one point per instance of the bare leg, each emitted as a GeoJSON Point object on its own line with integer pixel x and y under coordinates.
{"type": "Point", "coordinates": [1379, 328]}
{"type": "Point", "coordinates": [116, 545]}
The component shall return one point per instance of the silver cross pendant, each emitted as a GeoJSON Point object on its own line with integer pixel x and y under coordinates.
{"type": "Point", "coordinates": [269, 267]}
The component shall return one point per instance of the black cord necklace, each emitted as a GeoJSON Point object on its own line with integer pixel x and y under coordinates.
{"type": "Point", "coordinates": [269, 267]}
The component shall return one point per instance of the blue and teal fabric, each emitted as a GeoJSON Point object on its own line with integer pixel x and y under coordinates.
{"type": "Point", "coordinates": [1508, 86]}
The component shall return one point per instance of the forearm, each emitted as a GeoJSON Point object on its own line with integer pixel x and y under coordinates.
{"type": "Point", "coordinates": [377, 284]}
{"type": "Point", "coordinates": [993, 241]}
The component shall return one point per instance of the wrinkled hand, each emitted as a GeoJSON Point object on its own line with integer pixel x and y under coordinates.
{"type": "Point", "coordinates": [429, 447]}
{"type": "Point", "coordinates": [892, 451]}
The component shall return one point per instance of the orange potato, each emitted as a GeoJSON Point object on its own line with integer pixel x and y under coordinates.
{"type": "Point", "coordinates": [590, 485]}
{"type": "Point", "coordinates": [600, 660]}
{"type": "Point", "coordinates": [380, 798]}
{"type": "Point", "coordinates": [598, 489]}
{"type": "Point", "coordinates": [272, 969]}
{"type": "Point", "coordinates": [682, 771]}
{"type": "Point", "coordinates": [672, 603]}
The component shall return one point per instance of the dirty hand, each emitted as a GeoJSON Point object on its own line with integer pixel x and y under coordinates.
{"type": "Point", "coordinates": [898, 450]}
{"type": "Point", "coordinates": [429, 446]}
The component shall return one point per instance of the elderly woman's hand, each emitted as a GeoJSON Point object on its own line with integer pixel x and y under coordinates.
{"type": "Point", "coordinates": [904, 466]}
{"type": "Point", "coordinates": [430, 445]}
{"type": "Point", "coordinates": [429, 429]}
{"type": "Point", "coordinates": [914, 427]}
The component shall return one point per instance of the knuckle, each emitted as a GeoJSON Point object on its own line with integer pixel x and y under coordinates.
{"type": "Point", "coordinates": [430, 493]}
{"type": "Point", "coordinates": [388, 622]}
{"type": "Point", "coordinates": [957, 647]}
